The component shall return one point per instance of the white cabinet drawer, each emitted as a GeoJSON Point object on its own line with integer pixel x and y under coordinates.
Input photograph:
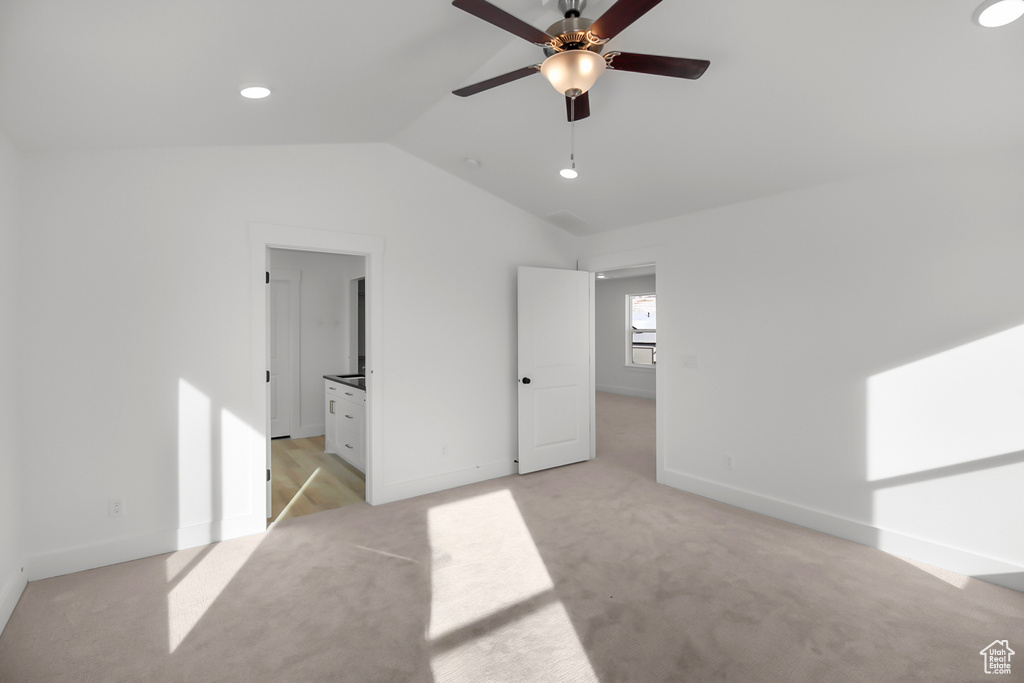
{"type": "Point", "coordinates": [344, 392]}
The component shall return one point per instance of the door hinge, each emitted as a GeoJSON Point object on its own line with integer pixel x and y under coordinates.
{"type": "Point", "coordinates": [268, 277]}
{"type": "Point", "coordinates": [268, 475]}
{"type": "Point", "coordinates": [268, 375]}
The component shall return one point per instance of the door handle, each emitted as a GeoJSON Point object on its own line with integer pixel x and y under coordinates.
{"type": "Point", "coordinates": [332, 407]}
{"type": "Point", "coordinates": [526, 380]}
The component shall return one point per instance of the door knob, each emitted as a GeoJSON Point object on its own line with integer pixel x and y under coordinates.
{"type": "Point", "coordinates": [526, 380]}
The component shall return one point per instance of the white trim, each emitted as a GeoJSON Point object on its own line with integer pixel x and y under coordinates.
{"type": "Point", "coordinates": [263, 236]}
{"type": "Point", "coordinates": [306, 431]}
{"type": "Point", "coordinates": [442, 482]}
{"type": "Point", "coordinates": [593, 366]}
{"type": "Point", "coordinates": [82, 558]}
{"type": "Point", "coordinates": [892, 542]}
{"type": "Point", "coordinates": [10, 594]}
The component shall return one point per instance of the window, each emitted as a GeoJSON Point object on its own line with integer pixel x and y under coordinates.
{"type": "Point", "coordinates": [641, 341]}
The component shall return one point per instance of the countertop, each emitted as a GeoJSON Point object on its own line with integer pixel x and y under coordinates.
{"type": "Point", "coordinates": [356, 381]}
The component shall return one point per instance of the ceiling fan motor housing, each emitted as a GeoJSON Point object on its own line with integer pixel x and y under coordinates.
{"type": "Point", "coordinates": [571, 34]}
{"type": "Point", "coordinates": [567, 7]}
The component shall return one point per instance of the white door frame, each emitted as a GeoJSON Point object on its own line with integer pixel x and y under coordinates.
{"type": "Point", "coordinates": [631, 259]}
{"type": "Point", "coordinates": [264, 236]}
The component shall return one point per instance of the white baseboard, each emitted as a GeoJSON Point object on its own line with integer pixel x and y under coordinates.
{"type": "Point", "coordinates": [441, 482]}
{"type": "Point", "coordinates": [79, 559]}
{"type": "Point", "coordinates": [306, 431]}
{"type": "Point", "coordinates": [626, 391]}
{"type": "Point", "coordinates": [895, 543]}
{"type": "Point", "coordinates": [13, 587]}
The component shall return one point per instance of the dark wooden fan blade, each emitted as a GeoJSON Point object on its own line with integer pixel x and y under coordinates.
{"type": "Point", "coordinates": [677, 67]}
{"type": "Point", "coordinates": [619, 16]}
{"type": "Point", "coordinates": [582, 109]}
{"type": "Point", "coordinates": [502, 19]}
{"type": "Point", "coordinates": [496, 81]}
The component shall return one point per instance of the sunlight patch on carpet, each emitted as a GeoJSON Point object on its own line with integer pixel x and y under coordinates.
{"type": "Point", "coordinates": [952, 578]}
{"type": "Point", "coordinates": [494, 613]}
{"type": "Point", "coordinates": [198, 577]}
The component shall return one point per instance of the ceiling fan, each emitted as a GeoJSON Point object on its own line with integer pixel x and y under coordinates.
{"type": "Point", "coordinates": [573, 48]}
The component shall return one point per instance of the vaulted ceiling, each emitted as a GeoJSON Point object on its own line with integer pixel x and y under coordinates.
{"type": "Point", "coordinates": [799, 92]}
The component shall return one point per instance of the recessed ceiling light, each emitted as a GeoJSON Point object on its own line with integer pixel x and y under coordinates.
{"type": "Point", "coordinates": [995, 13]}
{"type": "Point", "coordinates": [601, 276]}
{"type": "Point", "coordinates": [569, 173]}
{"type": "Point", "coordinates": [255, 92]}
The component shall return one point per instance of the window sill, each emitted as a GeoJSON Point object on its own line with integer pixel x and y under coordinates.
{"type": "Point", "coordinates": [641, 368]}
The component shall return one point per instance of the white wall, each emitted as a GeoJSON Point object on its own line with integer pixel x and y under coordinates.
{"type": "Point", "coordinates": [12, 555]}
{"type": "Point", "coordinates": [137, 299]}
{"type": "Point", "coordinates": [823, 323]}
{"type": "Point", "coordinates": [613, 375]}
{"type": "Point", "coordinates": [325, 321]}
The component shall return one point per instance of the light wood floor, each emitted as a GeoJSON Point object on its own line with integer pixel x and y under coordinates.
{"type": "Point", "coordinates": [307, 480]}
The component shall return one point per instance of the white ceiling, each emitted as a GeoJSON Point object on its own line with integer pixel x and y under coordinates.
{"type": "Point", "coordinates": [799, 92]}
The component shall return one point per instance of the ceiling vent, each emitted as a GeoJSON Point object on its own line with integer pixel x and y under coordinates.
{"type": "Point", "coordinates": [570, 222]}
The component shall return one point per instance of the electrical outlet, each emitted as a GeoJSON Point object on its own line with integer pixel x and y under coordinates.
{"type": "Point", "coordinates": [730, 461]}
{"type": "Point", "coordinates": [688, 360]}
{"type": "Point", "coordinates": [115, 507]}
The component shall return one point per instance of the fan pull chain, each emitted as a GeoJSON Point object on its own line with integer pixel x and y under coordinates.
{"type": "Point", "coordinates": [571, 171]}
{"type": "Point", "coordinates": [572, 133]}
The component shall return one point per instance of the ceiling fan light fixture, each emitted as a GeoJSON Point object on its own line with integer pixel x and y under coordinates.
{"type": "Point", "coordinates": [995, 13]}
{"type": "Point", "coordinates": [574, 70]}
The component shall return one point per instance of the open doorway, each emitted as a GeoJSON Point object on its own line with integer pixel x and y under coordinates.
{"type": "Point", "coordinates": [317, 331]}
{"type": "Point", "coordinates": [625, 330]}
{"type": "Point", "coordinates": [262, 239]}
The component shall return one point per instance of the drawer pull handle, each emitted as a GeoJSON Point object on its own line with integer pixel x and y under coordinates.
{"type": "Point", "coordinates": [332, 406]}
{"type": "Point", "coordinates": [347, 446]}
{"type": "Point", "coordinates": [349, 416]}
{"type": "Point", "coordinates": [348, 394]}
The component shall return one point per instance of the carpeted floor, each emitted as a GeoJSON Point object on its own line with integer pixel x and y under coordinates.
{"type": "Point", "coordinates": [590, 572]}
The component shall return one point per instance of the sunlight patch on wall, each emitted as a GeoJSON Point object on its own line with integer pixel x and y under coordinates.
{"type": "Point", "coordinates": [236, 448]}
{"type": "Point", "coordinates": [195, 452]}
{"type": "Point", "coordinates": [958, 406]}
{"type": "Point", "coordinates": [214, 461]}
{"type": "Point", "coordinates": [494, 612]}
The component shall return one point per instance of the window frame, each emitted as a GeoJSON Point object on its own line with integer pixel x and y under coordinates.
{"type": "Point", "coordinates": [630, 331]}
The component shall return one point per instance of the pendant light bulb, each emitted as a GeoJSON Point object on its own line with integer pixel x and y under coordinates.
{"type": "Point", "coordinates": [568, 173]}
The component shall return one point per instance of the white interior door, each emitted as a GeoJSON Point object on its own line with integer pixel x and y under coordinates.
{"type": "Point", "coordinates": [556, 367]}
{"type": "Point", "coordinates": [281, 380]}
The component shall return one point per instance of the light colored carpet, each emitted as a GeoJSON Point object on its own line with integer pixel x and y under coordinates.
{"type": "Point", "coordinates": [590, 572]}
